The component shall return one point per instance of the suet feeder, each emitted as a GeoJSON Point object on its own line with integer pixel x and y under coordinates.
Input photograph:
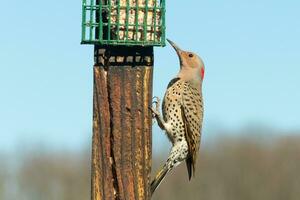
{"type": "Point", "coordinates": [123, 22]}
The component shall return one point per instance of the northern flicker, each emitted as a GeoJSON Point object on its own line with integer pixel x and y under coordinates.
{"type": "Point", "coordinates": [182, 111]}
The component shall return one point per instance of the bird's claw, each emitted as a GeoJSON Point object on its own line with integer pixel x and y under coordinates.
{"type": "Point", "coordinates": [156, 101]}
{"type": "Point", "coordinates": [155, 110]}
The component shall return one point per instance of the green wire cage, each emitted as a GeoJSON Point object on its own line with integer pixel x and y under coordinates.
{"type": "Point", "coordinates": [123, 22]}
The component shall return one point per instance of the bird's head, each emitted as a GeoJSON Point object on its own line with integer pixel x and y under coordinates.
{"type": "Point", "coordinates": [191, 65]}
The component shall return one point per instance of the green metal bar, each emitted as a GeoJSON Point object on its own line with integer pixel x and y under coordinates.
{"type": "Point", "coordinates": [122, 42]}
{"type": "Point", "coordinates": [145, 20]}
{"type": "Point", "coordinates": [100, 29]}
{"type": "Point", "coordinates": [163, 23]}
{"type": "Point", "coordinates": [83, 25]}
{"type": "Point", "coordinates": [88, 7]}
{"type": "Point", "coordinates": [109, 20]}
{"type": "Point", "coordinates": [124, 7]}
{"type": "Point", "coordinates": [93, 24]}
{"type": "Point", "coordinates": [154, 13]}
{"type": "Point", "coordinates": [126, 20]}
{"type": "Point", "coordinates": [118, 19]}
{"type": "Point", "coordinates": [122, 24]}
{"type": "Point", "coordinates": [136, 20]}
{"type": "Point", "coordinates": [91, 20]}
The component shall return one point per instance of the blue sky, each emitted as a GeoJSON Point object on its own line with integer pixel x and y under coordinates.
{"type": "Point", "coordinates": [251, 51]}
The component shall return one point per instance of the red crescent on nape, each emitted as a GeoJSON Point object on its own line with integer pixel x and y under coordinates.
{"type": "Point", "coordinates": [202, 73]}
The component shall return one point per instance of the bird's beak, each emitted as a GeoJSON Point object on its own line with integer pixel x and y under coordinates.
{"type": "Point", "coordinates": [177, 49]}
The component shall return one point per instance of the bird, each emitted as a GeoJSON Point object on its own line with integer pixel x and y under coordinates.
{"type": "Point", "coordinates": [182, 110]}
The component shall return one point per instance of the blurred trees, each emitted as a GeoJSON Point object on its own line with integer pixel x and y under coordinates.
{"type": "Point", "coordinates": [229, 169]}
{"type": "Point", "coordinates": [235, 169]}
{"type": "Point", "coordinates": [47, 177]}
{"type": "Point", "coordinates": [2, 176]}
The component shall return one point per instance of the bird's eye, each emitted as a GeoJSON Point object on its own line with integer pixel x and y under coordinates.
{"type": "Point", "coordinates": [191, 55]}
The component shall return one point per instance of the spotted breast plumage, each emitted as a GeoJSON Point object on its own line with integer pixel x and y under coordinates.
{"type": "Point", "coordinates": [182, 111]}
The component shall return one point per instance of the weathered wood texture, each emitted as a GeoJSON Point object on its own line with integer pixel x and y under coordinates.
{"type": "Point", "coordinates": [121, 148]}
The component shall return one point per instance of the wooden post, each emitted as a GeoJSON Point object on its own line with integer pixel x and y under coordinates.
{"type": "Point", "coordinates": [121, 147]}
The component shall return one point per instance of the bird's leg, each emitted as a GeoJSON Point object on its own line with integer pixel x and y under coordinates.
{"type": "Point", "coordinates": [156, 114]}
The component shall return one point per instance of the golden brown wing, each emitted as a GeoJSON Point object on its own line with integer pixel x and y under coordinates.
{"type": "Point", "coordinates": [192, 114]}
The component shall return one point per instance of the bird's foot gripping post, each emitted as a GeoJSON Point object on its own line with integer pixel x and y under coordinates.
{"type": "Point", "coordinates": [156, 113]}
{"type": "Point", "coordinates": [121, 149]}
{"type": "Point", "coordinates": [155, 110]}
